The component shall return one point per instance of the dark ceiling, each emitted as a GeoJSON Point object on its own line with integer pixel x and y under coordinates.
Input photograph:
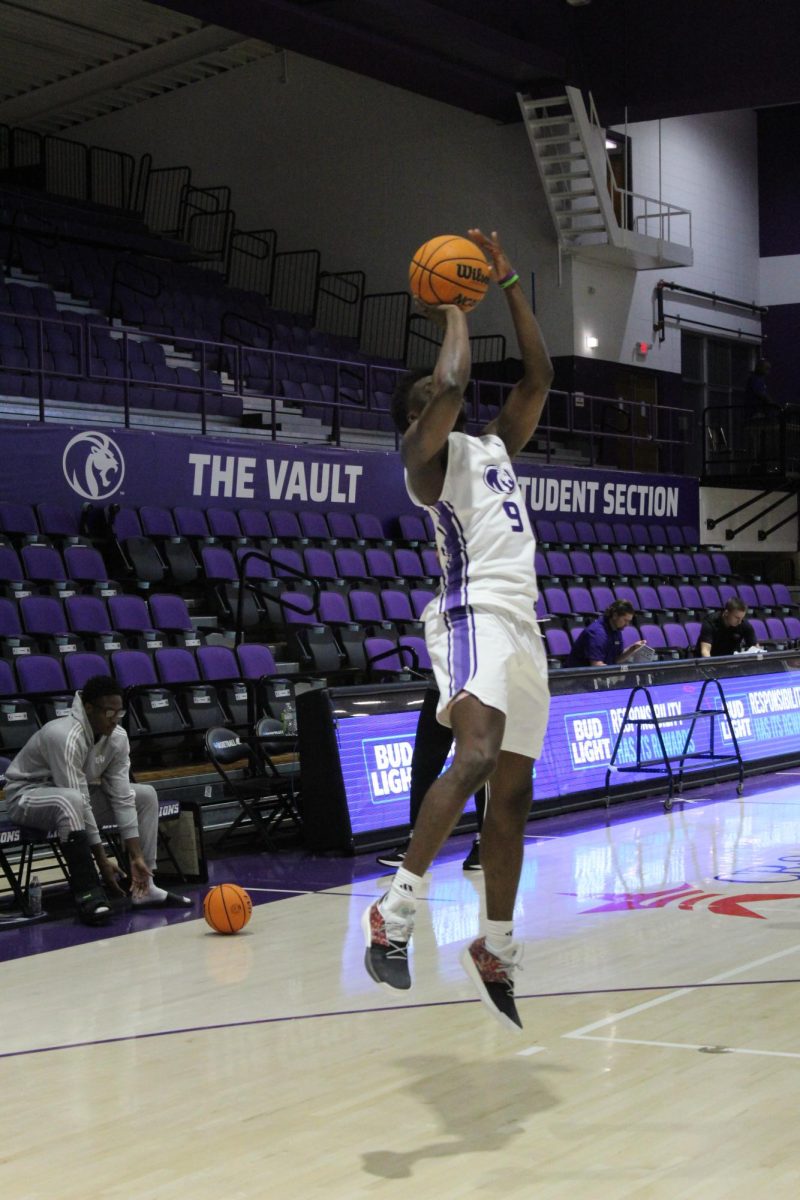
{"type": "Point", "coordinates": [655, 59]}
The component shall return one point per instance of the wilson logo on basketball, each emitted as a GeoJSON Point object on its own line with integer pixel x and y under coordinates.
{"type": "Point", "coordinates": [465, 271]}
{"type": "Point", "coordinates": [686, 897]}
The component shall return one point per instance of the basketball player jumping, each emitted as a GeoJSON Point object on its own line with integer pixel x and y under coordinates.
{"type": "Point", "coordinates": [481, 633]}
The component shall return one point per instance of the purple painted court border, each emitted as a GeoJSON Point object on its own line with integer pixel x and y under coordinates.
{"type": "Point", "coordinates": [388, 1008]}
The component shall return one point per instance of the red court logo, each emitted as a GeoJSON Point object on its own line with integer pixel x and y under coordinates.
{"type": "Point", "coordinates": [686, 897]}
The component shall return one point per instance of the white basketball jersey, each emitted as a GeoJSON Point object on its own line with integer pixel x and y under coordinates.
{"type": "Point", "coordinates": [484, 538]}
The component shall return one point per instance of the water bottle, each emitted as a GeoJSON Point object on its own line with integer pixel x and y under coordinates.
{"type": "Point", "coordinates": [35, 897]}
{"type": "Point", "coordinates": [288, 720]}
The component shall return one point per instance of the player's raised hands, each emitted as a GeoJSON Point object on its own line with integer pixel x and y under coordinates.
{"type": "Point", "coordinates": [490, 245]}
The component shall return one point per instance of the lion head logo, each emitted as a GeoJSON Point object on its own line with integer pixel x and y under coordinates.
{"type": "Point", "coordinates": [93, 465]}
{"type": "Point", "coordinates": [500, 479]}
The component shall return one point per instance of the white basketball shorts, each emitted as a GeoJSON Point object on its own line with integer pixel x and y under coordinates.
{"type": "Point", "coordinates": [500, 660]}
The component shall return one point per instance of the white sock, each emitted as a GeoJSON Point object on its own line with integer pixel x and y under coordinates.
{"type": "Point", "coordinates": [152, 893]}
{"type": "Point", "coordinates": [400, 901]}
{"type": "Point", "coordinates": [499, 937]}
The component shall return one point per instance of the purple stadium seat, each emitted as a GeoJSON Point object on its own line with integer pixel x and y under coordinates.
{"type": "Point", "coordinates": [703, 565]}
{"type": "Point", "coordinates": [684, 564]}
{"type": "Point", "coordinates": [566, 532]}
{"type": "Point", "coordinates": [133, 668]}
{"type": "Point", "coordinates": [760, 630]}
{"type": "Point", "coordinates": [624, 563]}
{"type": "Point", "coordinates": [777, 632]}
{"type": "Point", "coordinates": [558, 645]}
{"type": "Point", "coordinates": [668, 598]}
{"type": "Point", "coordinates": [255, 525]}
{"type": "Point", "coordinates": [218, 565]}
{"type": "Point", "coordinates": [40, 673]}
{"type": "Point", "coordinates": [640, 534]}
{"type": "Point", "coordinates": [558, 564]}
{"type": "Point", "coordinates": [285, 525]}
{"type": "Point", "coordinates": [630, 634]}
{"type": "Point", "coordinates": [586, 533]}
{"type": "Point", "coordinates": [675, 537]}
{"type": "Point", "coordinates": [334, 608]}
{"type": "Point", "coordinates": [546, 533]}
{"type": "Point", "coordinates": [43, 618]}
{"type": "Point", "coordinates": [191, 522]}
{"type": "Point", "coordinates": [397, 607]}
{"type": "Point", "coordinates": [170, 614]}
{"type": "Point", "coordinates": [658, 535]}
{"type": "Point", "coordinates": [88, 617]}
{"type": "Point", "coordinates": [57, 521]}
{"type": "Point", "coordinates": [255, 660]}
{"type": "Point", "coordinates": [224, 524]}
{"type": "Point", "coordinates": [692, 633]}
{"type": "Point", "coordinates": [380, 564]}
{"type": "Point", "coordinates": [408, 564]}
{"type": "Point", "coordinates": [645, 564]}
{"type": "Point", "coordinates": [557, 602]}
{"type": "Point", "coordinates": [604, 534]}
{"type": "Point", "coordinates": [647, 598]}
{"type": "Point", "coordinates": [792, 626]}
{"type": "Point", "coordinates": [412, 528]}
{"type": "Point", "coordinates": [430, 563]}
{"type": "Point", "coordinates": [342, 526]}
{"type": "Point", "coordinates": [18, 521]}
{"type": "Point", "coordinates": [255, 567]}
{"type": "Point", "coordinates": [691, 600]}
{"type": "Point", "coordinates": [604, 564]}
{"type": "Point", "coordinates": [721, 565]}
{"type": "Point", "coordinates": [319, 563]}
{"type": "Point", "coordinates": [421, 659]}
{"type": "Point", "coordinates": [157, 522]}
{"type": "Point", "coordinates": [369, 527]}
{"type": "Point", "coordinates": [709, 596]}
{"type": "Point", "coordinates": [602, 596]}
{"type": "Point", "coordinates": [783, 596]}
{"type": "Point", "coordinates": [420, 599]}
{"type": "Point", "coordinates": [217, 662]}
{"type": "Point", "coordinates": [42, 564]}
{"type": "Point", "coordinates": [314, 526]}
{"type": "Point", "coordinates": [727, 592]}
{"type": "Point", "coordinates": [676, 637]}
{"type": "Point", "coordinates": [365, 607]}
{"type": "Point", "coordinates": [665, 564]}
{"type": "Point", "coordinates": [540, 563]}
{"type": "Point", "coordinates": [384, 658]}
{"type": "Point", "coordinates": [287, 563]}
{"type": "Point", "coordinates": [765, 597]}
{"type": "Point", "coordinates": [622, 534]}
{"type": "Point", "coordinates": [691, 535]}
{"type": "Point", "coordinates": [654, 636]}
{"type": "Point", "coordinates": [624, 591]}
{"type": "Point", "coordinates": [80, 667]}
{"type": "Point", "coordinates": [581, 601]}
{"type": "Point", "coordinates": [298, 608]}
{"type": "Point", "coordinates": [581, 563]}
{"type": "Point", "coordinates": [350, 563]}
{"type": "Point", "coordinates": [748, 593]}
{"type": "Point", "coordinates": [540, 608]}
{"type": "Point", "coordinates": [176, 665]}
{"type": "Point", "coordinates": [85, 565]}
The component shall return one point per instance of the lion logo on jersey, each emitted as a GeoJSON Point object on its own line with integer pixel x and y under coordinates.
{"type": "Point", "coordinates": [500, 479]}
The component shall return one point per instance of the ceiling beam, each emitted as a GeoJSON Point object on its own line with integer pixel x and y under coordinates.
{"type": "Point", "coordinates": [22, 110]}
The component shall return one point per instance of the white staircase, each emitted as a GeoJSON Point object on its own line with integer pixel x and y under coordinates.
{"type": "Point", "coordinates": [592, 215]}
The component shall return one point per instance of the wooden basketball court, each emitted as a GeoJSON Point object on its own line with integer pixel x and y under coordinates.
{"type": "Point", "coordinates": [660, 1057]}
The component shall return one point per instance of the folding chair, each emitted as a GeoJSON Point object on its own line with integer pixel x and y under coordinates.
{"type": "Point", "coordinates": [251, 779]}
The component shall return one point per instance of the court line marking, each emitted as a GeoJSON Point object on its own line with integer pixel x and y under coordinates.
{"type": "Point", "coordinates": [530, 1050]}
{"type": "Point", "coordinates": [689, 1046]}
{"type": "Point", "coordinates": [585, 1031]}
{"type": "Point", "coordinates": [367, 1012]}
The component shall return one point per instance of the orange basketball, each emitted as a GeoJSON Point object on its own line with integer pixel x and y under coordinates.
{"type": "Point", "coordinates": [227, 908]}
{"type": "Point", "coordinates": [449, 270]}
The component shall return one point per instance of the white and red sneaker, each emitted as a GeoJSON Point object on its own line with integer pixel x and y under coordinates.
{"type": "Point", "coordinates": [386, 958]}
{"type": "Point", "coordinates": [494, 979]}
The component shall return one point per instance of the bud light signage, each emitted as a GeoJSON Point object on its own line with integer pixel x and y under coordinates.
{"type": "Point", "coordinates": [375, 756]}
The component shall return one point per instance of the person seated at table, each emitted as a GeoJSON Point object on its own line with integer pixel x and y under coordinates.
{"type": "Point", "coordinates": [600, 644]}
{"type": "Point", "coordinates": [727, 632]}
